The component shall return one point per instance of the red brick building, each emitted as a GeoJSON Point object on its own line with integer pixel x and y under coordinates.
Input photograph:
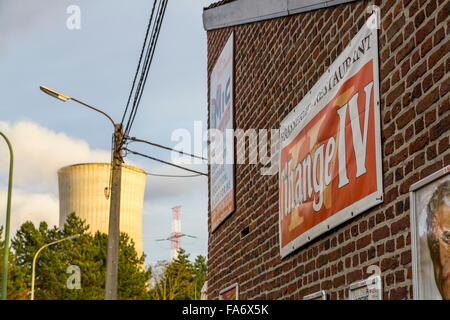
{"type": "Point", "coordinates": [281, 49]}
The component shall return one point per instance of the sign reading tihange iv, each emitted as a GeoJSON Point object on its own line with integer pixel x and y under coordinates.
{"type": "Point", "coordinates": [221, 119]}
{"type": "Point", "coordinates": [330, 161]}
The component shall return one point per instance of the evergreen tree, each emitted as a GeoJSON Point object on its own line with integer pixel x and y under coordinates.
{"type": "Point", "coordinates": [87, 252]}
{"type": "Point", "coordinates": [182, 280]}
{"type": "Point", "coordinates": [200, 274]}
{"type": "Point", "coordinates": [16, 289]}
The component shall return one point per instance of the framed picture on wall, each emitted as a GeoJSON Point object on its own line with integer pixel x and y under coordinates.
{"type": "Point", "coordinates": [430, 236]}
{"type": "Point", "coordinates": [230, 293]}
{"type": "Point", "coordinates": [368, 289]}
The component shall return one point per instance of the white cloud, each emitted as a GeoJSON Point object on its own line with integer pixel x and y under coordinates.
{"type": "Point", "coordinates": [26, 206]}
{"type": "Point", "coordinates": [39, 153]}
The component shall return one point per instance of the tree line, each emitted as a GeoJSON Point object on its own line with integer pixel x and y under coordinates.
{"type": "Point", "coordinates": [55, 278]}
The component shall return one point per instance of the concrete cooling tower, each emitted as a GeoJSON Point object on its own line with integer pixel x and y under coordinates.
{"type": "Point", "coordinates": [82, 190]}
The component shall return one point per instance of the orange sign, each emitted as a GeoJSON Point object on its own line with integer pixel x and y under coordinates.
{"type": "Point", "coordinates": [330, 163]}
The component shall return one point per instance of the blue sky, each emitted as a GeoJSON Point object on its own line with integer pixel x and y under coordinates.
{"type": "Point", "coordinates": [96, 64]}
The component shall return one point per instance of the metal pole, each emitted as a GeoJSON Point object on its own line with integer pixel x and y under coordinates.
{"type": "Point", "coordinates": [7, 226]}
{"type": "Point", "coordinates": [112, 259]}
{"type": "Point", "coordinates": [98, 110]}
{"type": "Point", "coordinates": [35, 258]}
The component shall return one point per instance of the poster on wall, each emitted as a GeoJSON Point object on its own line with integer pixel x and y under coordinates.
{"type": "Point", "coordinates": [368, 289]}
{"type": "Point", "coordinates": [222, 118]}
{"type": "Point", "coordinates": [230, 293]}
{"type": "Point", "coordinates": [330, 166]}
{"type": "Point", "coordinates": [430, 236]}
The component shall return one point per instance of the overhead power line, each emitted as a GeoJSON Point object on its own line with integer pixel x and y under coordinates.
{"type": "Point", "coordinates": [164, 147]}
{"type": "Point", "coordinates": [165, 162]}
{"type": "Point", "coordinates": [149, 47]}
{"type": "Point", "coordinates": [140, 59]}
{"type": "Point", "coordinates": [173, 176]}
{"type": "Point", "coordinates": [137, 88]}
{"type": "Point", "coordinates": [151, 51]}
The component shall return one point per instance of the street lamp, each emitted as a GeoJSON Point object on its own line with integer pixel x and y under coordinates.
{"type": "Point", "coordinates": [61, 96]}
{"type": "Point", "coordinates": [36, 255]}
{"type": "Point", "coordinates": [8, 214]}
{"type": "Point", "coordinates": [112, 259]}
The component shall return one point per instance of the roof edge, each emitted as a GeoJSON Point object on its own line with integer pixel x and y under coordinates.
{"type": "Point", "coordinates": [246, 11]}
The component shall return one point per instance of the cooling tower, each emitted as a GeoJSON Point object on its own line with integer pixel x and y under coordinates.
{"type": "Point", "coordinates": [82, 190]}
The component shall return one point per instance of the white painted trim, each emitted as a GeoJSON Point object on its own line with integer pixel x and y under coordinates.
{"type": "Point", "coordinates": [247, 11]}
{"type": "Point", "coordinates": [370, 200]}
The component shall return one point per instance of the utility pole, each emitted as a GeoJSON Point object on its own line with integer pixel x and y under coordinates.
{"type": "Point", "coordinates": [112, 260]}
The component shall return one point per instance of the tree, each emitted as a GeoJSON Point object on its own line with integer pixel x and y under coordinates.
{"type": "Point", "coordinates": [181, 280]}
{"type": "Point", "coordinates": [16, 289]}
{"type": "Point", "coordinates": [87, 252]}
{"type": "Point", "coordinates": [200, 275]}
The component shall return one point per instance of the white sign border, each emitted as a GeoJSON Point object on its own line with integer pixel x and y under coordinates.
{"type": "Point", "coordinates": [231, 39]}
{"type": "Point", "coordinates": [371, 281]}
{"type": "Point", "coordinates": [363, 204]}
{"type": "Point", "coordinates": [234, 285]}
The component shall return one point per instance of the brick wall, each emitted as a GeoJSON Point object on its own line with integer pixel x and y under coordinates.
{"type": "Point", "coordinates": [273, 71]}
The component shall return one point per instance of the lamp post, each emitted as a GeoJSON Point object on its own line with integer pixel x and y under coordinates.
{"type": "Point", "coordinates": [35, 258]}
{"type": "Point", "coordinates": [112, 259]}
{"type": "Point", "coordinates": [7, 226]}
